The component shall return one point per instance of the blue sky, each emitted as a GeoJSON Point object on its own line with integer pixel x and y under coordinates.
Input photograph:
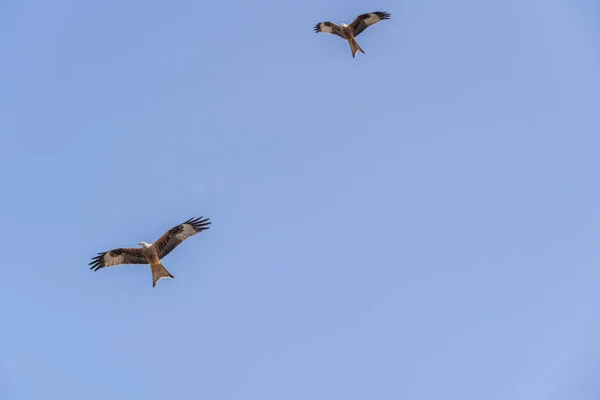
{"type": "Point", "coordinates": [420, 222]}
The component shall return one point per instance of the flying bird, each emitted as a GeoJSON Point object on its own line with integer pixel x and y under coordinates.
{"type": "Point", "coordinates": [152, 253]}
{"type": "Point", "coordinates": [349, 32]}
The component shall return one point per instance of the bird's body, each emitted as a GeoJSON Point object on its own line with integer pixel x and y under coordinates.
{"type": "Point", "coordinates": [349, 35]}
{"type": "Point", "coordinates": [159, 272]}
{"type": "Point", "coordinates": [349, 32]}
{"type": "Point", "coordinates": [151, 253]}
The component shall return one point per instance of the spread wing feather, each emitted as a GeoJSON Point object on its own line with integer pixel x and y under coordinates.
{"type": "Point", "coordinates": [330, 27]}
{"type": "Point", "coordinates": [116, 257]}
{"type": "Point", "coordinates": [365, 20]}
{"type": "Point", "coordinates": [176, 235]}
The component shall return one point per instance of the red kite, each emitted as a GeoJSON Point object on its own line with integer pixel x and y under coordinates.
{"type": "Point", "coordinates": [349, 32]}
{"type": "Point", "coordinates": [154, 252]}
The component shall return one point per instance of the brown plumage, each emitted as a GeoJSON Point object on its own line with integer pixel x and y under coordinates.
{"type": "Point", "coordinates": [153, 253]}
{"type": "Point", "coordinates": [349, 32]}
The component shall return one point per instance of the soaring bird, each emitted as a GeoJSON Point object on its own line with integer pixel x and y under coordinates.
{"type": "Point", "coordinates": [349, 32]}
{"type": "Point", "coordinates": [152, 253]}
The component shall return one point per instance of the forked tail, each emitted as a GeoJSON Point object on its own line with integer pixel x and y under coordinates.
{"type": "Point", "coordinates": [159, 272]}
{"type": "Point", "coordinates": [354, 47]}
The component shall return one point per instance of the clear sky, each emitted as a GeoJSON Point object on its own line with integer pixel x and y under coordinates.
{"type": "Point", "coordinates": [419, 222]}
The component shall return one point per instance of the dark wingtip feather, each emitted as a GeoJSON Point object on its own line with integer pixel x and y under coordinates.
{"type": "Point", "coordinates": [201, 224]}
{"type": "Point", "coordinates": [96, 262]}
{"type": "Point", "coordinates": [383, 14]}
{"type": "Point", "coordinates": [318, 27]}
{"type": "Point", "coordinates": [198, 224]}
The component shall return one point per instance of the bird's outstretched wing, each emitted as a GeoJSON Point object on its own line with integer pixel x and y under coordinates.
{"type": "Point", "coordinates": [365, 20]}
{"type": "Point", "coordinates": [116, 257]}
{"type": "Point", "coordinates": [174, 236]}
{"type": "Point", "coordinates": [330, 27]}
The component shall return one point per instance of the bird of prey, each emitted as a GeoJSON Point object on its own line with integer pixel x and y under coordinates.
{"type": "Point", "coordinates": [152, 253]}
{"type": "Point", "coordinates": [349, 32]}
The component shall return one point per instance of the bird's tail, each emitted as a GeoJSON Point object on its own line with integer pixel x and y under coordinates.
{"type": "Point", "coordinates": [159, 272]}
{"type": "Point", "coordinates": [354, 47]}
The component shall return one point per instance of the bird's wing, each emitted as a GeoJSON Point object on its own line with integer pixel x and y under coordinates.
{"type": "Point", "coordinates": [329, 27]}
{"type": "Point", "coordinates": [365, 20]}
{"type": "Point", "coordinates": [174, 236]}
{"type": "Point", "coordinates": [117, 256]}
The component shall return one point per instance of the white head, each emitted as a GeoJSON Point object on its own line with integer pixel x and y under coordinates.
{"type": "Point", "coordinates": [344, 25]}
{"type": "Point", "coordinates": [145, 245]}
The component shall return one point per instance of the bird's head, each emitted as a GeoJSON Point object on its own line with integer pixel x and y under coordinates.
{"type": "Point", "coordinates": [344, 25]}
{"type": "Point", "coordinates": [144, 244]}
